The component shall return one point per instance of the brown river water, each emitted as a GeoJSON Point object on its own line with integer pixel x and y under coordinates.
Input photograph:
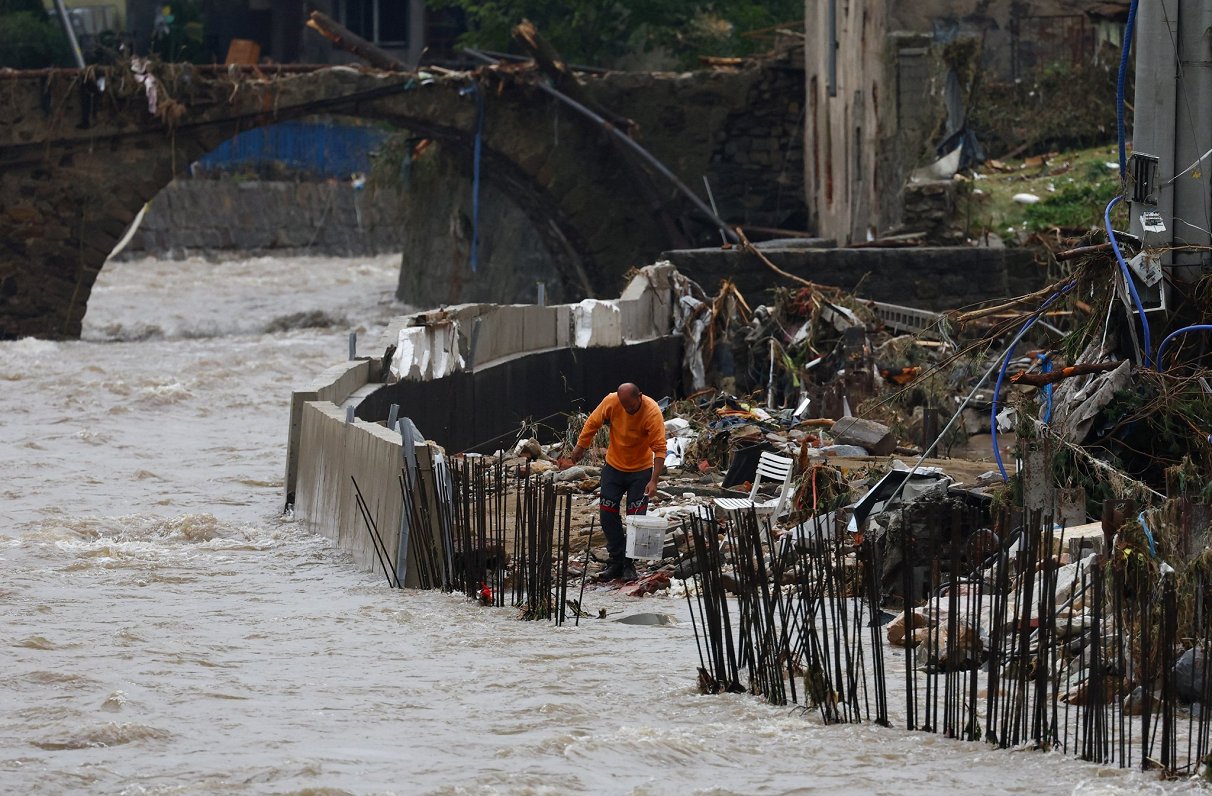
{"type": "Point", "coordinates": [165, 629]}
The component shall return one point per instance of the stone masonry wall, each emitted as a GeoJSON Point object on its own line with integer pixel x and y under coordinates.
{"type": "Point", "coordinates": [740, 128]}
{"type": "Point", "coordinates": [318, 217]}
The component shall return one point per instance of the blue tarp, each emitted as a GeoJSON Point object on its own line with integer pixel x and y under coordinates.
{"type": "Point", "coordinates": [324, 149]}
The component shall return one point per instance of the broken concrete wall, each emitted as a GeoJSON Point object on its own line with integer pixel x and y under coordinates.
{"type": "Point", "coordinates": [332, 386]}
{"type": "Point", "coordinates": [880, 76]}
{"type": "Point", "coordinates": [524, 364]}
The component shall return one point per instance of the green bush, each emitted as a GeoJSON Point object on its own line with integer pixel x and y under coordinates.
{"type": "Point", "coordinates": [1055, 108]}
{"type": "Point", "coordinates": [31, 41]}
{"type": "Point", "coordinates": [611, 34]}
{"type": "Point", "coordinates": [34, 7]}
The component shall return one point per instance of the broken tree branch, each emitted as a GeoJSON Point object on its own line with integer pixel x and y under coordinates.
{"type": "Point", "coordinates": [345, 39]}
{"type": "Point", "coordinates": [984, 312]}
{"type": "Point", "coordinates": [1044, 379]}
{"type": "Point", "coordinates": [749, 247]}
{"type": "Point", "coordinates": [551, 64]}
{"type": "Point", "coordinates": [1082, 251]}
{"type": "Point", "coordinates": [549, 61]}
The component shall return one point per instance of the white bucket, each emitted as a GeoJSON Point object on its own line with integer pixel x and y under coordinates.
{"type": "Point", "coordinates": [646, 536]}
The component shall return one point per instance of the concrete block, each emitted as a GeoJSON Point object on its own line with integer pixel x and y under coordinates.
{"type": "Point", "coordinates": [640, 284]}
{"type": "Point", "coordinates": [539, 328]}
{"type": "Point", "coordinates": [335, 384]}
{"type": "Point", "coordinates": [563, 323]}
{"type": "Point", "coordinates": [597, 323]}
{"type": "Point", "coordinates": [427, 352]}
{"type": "Point", "coordinates": [501, 334]}
{"type": "Point", "coordinates": [1079, 538]}
{"type": "Point", "coordinates": [648, 315]}
{"type": "Point", "coordinates": [1071, 506]}
{"type": "Point", "coordinates": [636, 317]}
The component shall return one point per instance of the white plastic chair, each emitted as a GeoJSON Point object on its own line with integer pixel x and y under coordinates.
{"type": "Point", "coordinates": [770, 466]}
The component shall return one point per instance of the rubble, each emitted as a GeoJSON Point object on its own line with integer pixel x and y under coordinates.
{"type": "Point", "coordinates": [1044, 532]}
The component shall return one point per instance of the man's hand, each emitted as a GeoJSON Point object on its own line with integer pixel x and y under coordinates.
{"type": "Point", "coordinates": [564, 462]}
{"type": "Point", "coordinates": [651, 489]}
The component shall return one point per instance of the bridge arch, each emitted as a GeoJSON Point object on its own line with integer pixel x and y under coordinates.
{"type": "Point", "coordinates": [77, 165]}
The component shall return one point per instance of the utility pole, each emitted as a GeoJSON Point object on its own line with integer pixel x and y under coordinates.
{"type": "Point", "coordinates": [1172, 121]}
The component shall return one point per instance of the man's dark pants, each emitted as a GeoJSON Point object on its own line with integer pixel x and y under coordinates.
{"type": "Point", "coordinates": [618, 486]}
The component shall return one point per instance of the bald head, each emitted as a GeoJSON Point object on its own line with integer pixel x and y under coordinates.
{"type": "Point", "coordinates": [629, 397]}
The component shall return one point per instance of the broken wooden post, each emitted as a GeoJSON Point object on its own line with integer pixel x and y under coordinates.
{"type": "Point", "coordinates": [549, 61]}
{"type": "Point", "coordinates": [345, 39]}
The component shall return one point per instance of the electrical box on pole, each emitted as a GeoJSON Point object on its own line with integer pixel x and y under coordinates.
{"type": "Point", "coordinates": [1169, 182]}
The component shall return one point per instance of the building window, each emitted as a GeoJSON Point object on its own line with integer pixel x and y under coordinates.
{"type": "Point", "coordinates": [383, 22]}
{"type": "Point", "coordinates": [859, 113]}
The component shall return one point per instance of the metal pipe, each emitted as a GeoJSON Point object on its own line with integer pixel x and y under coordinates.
{"type": "Point", "coordinates": [70, 33]}
{"type": "Point", "coordinates": [644, 154]}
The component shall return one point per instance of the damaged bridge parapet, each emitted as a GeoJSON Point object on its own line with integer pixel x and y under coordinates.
{"type": "Point", "coordinates": [78, 163]}
{"type": "Point", "coordinates": [468, 377]}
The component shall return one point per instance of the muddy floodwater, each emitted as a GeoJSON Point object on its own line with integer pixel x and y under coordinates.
{"type": "Point", "coordinates": [164, 629]}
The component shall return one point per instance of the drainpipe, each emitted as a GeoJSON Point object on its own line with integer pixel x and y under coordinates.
{"type": "Point", "coordinates": [70, 33]}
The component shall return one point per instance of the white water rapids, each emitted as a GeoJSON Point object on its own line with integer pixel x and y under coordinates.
{"type": "Point", "coordinates": [165, 630]}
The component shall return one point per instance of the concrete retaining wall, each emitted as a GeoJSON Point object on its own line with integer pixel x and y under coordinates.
{"type": "Point", "coordinates": [526, 363]}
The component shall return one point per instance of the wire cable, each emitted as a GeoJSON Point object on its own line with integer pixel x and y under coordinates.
{"type": "Point", "coordinates": [1161, 349]}
{"type": "Point", "coordinates": [1198, 160]}
{"type": "Point", "coordinates": [1119, 91]}
{"type": "Point", "coordinates": [1001, 374]}
{"type": "Point", "coordinates": [1147, 355]}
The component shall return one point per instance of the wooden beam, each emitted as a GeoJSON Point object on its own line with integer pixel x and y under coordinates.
{"type": "Point", "coordinates": [344, 39]}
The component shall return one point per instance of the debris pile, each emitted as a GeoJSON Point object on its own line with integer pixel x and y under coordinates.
{"type": "Point", "coordinates": [832, 558]}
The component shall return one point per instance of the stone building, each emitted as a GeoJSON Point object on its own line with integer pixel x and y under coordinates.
{"type": "Point", "coordinates": [885, 88]}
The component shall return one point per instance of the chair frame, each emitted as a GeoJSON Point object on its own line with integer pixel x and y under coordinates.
{"type": "Point", "coordinates": [772, 467]}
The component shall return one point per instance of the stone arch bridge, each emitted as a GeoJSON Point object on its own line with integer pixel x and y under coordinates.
{"type": "Point", "coordinates": [77, 164]}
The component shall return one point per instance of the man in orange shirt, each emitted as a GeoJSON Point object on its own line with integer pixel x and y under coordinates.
{"type": "Point", "coordinates": [635, 458]}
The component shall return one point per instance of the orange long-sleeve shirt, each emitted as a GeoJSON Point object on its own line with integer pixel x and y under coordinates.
{"type": "Point", "coordinates": [634, 439]}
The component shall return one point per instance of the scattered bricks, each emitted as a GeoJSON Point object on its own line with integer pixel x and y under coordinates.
{"type": "Point", "coordinates": [896, 628]}
{"type": "Point", "coordinates": [647, 585]}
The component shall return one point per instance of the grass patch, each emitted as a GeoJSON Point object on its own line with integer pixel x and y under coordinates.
{"type": "Point", "coordinates": [1073, 189]}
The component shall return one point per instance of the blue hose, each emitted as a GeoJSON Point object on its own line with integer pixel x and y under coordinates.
{"type": "Point", "coordinates": [1123, 170]}
{"type": "Point", "coordinates": [1119, 90]}
{"type": "Point", "coordinates": [1144, 526]}
{"type": "Point", "coordinates": [1161, 349]}
{"type": "Point", "coordinates": [1001, 374]}
{"type": "Point", "coordinates": [1046, 367]}
{"type": "Point", "coordinates": [1123, 267]}
{"type": "Point", "coordinates": [475, 173]}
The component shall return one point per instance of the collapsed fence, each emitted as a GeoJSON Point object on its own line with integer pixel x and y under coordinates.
{"type": "Point", "coordinates": [1102, 658]}
{"type": "Point", "coordinates": [472, 526]}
